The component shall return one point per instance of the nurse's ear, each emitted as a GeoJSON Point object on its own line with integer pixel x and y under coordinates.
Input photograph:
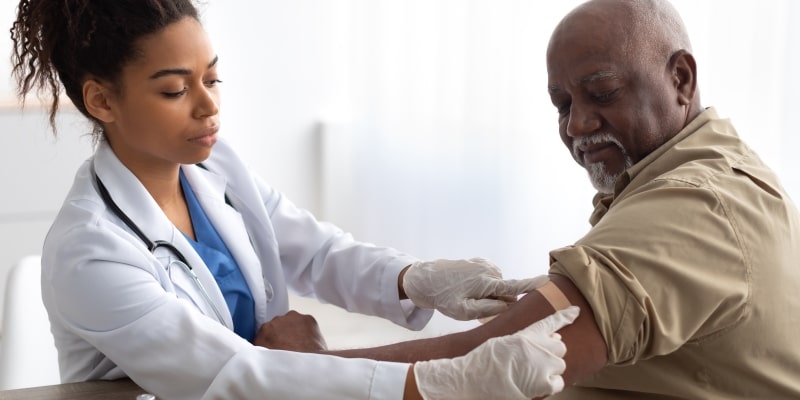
{"type": "Point", "coordinates": [97, 100]}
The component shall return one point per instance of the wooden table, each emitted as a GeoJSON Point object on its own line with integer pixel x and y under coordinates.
{"type": "Point", "coordinates": [93, 390]}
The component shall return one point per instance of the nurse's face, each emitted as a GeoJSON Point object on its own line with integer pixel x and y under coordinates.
{"type": "Point", "coordinates": [167, 109]}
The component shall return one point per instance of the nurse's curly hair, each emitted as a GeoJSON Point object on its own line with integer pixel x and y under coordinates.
{"type": "Point", "coordinates": [62, 43]}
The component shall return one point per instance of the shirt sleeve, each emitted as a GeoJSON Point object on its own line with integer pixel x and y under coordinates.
{"type": "Point", "coordinates": [287, 374]}
{"type": "Point", "coordinates": [662, 268]}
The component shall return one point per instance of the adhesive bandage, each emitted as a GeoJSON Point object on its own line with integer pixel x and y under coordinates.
{"type": "Point", "coordinates": [551, 293]}
{"type": "Point", "coordinates": [554, 295]}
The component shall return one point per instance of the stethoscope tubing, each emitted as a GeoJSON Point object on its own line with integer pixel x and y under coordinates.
{"type": "Point", "coordinates": [152, 245]}
{"type": "Point", "coordinates": [186, 268]}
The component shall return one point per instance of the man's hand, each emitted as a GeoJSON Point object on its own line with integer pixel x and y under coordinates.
{"type": "Point", "coordinates": [292, 331]}
{"type": "Point", "coordinates": [520, 366]}
{"type": "Point", "coordinates": [463, 289]}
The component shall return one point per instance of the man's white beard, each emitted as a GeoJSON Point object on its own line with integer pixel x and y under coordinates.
{"type": "Point", "coordinates": [602, 180]}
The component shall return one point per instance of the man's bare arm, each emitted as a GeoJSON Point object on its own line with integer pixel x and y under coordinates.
{"type": "Point", "coordinates": [586, 349]}
{"type": "Point", "coordinates": [447, 346]}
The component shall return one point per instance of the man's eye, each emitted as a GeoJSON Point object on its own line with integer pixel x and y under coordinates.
{"type": "Point", "coordinates": [605, 97]}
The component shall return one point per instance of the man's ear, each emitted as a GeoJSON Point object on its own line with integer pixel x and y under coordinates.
{"type": "Point", "coordinates": [684, 75]}
{"type": "Point", "coordinates": [97, 100]}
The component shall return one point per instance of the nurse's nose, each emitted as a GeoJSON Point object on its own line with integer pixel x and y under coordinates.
{"type": "Point", "coordinates": [207, 103]}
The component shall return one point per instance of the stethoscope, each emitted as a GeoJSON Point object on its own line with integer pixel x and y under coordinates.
{"type": "Point", "coordinates": [153, 245]}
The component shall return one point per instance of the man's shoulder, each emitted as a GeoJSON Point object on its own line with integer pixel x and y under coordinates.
{"type": "Point", "coordinates": [707, 157]}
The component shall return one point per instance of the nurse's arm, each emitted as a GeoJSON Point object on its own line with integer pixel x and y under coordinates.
{"type": "Point", "coordinates": [586, 349]}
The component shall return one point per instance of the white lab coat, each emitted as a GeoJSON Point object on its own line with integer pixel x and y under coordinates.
{"type": "Point", "coordinates": [115, 311]}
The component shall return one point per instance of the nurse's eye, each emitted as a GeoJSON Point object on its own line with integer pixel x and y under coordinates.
{"type": "Point", "coordinates": [174, 95]}
{"type": "Point", "coordinates": [213, 82]}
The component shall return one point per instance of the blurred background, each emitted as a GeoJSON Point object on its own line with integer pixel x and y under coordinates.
{"type": "Point", "coordinates": [423, 125]}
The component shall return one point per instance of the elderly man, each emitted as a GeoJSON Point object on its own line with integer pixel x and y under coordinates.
{"type": "Point", "coordinates": [687, 280]}
{"type": "Point", "coordinates": [689, 273]}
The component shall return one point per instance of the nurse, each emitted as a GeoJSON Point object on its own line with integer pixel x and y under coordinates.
{"type": "Point", "coordinates": [169, 258]}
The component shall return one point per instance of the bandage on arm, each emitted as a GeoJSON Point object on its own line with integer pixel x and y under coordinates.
{"type": "Point", "coordinates": [554, 296]}
{"type": "Point", "coordinates": [586, 348]}
{"type": "Point", "coordinates": [551, 293]}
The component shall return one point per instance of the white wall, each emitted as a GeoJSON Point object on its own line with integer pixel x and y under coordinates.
{"type": "Point", "coordinates": [445, 137]}
{"type": "Point", "coordinates": [36, 171]}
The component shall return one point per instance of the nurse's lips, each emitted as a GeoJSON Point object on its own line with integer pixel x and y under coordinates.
{"type": "Point", "coordinates": [596, 152]}
{"type": "Point", "coordinates": [207, 137]}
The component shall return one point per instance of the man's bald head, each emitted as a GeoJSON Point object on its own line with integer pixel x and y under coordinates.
{"type": "Point", "coordinates": [643, 30]}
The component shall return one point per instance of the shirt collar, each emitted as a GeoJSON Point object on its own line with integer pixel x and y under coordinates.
{"type": "Point", "coordinates": [602, 201]}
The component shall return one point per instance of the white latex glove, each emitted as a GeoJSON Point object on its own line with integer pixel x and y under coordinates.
{"type": "Point", "coordinates": [464, 289]}
{"type": "Point", "coordinates": [520, 366]}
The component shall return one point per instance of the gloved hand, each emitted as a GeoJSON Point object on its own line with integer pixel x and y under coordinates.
{"type": "Point", "coordinates": [523, 365]}
{"type": "Point", "coordinates": [464, 289]}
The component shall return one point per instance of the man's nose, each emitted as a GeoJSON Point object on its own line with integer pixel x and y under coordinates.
{"type": "Point", "coordinates": [582, 121]}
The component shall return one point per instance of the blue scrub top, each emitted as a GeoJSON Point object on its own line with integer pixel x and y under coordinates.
{"type": "Point", "coordinates": [223, 266]}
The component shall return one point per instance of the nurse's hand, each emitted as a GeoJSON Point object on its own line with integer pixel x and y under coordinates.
{"type": "Point", "coordinates": [463, 289]}
{"type": "Point", "coordinates": [520, 366]}
{"type": "Point", "coordinates": [292, 331]}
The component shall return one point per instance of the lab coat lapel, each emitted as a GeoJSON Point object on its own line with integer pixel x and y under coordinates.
{"type": "Point", "coordinates": [131, 196]}
{"type": "Point", "coordinates": [133, 199]}
{"type": "Point", "coordinates": [210, 191]}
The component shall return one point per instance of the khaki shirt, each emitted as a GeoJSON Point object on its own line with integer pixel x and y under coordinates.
{"type": "Point", "coordinates": [691, 269]}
